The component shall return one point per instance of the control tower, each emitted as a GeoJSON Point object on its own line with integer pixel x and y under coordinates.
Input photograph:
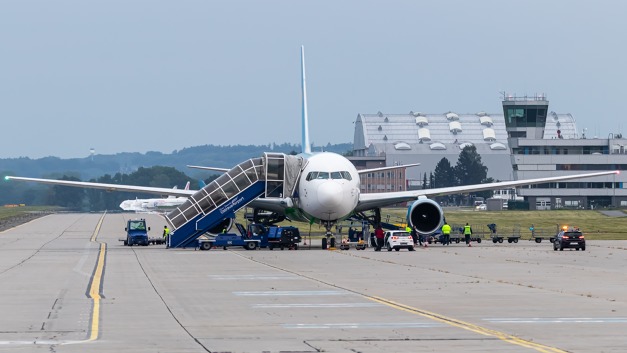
{"type": "Point", "coordinates": [525, 117]}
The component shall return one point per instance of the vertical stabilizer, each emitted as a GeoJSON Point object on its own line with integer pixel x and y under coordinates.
{"type": "Point", "coordinates": [306, 147]}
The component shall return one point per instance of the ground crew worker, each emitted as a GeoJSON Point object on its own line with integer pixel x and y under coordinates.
{"type": "Point", "coordinates": [166, 235]}
{"type": "Point", "coordinates": [378, 234]}
{"type": "Point", "coordinates": [446, 231]}
{"type": "Point", "coordinates": [414, 235]}
{"type": "Point", "coordinates": [467, 234]}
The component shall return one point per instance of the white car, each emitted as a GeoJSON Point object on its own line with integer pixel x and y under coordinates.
{"type": "Point", "coordinates": [398, 239]}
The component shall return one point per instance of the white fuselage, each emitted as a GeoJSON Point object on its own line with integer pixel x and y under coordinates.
{"type": "Point", "coordinates": [328, 189]}
{"type": "Point", "coordinates": [142, 205]}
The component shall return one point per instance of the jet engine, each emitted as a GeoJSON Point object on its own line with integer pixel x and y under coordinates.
{"type": "Point", "coordinates": [226, 223]}
{"type": "Point", "coordinates": [425, 215]}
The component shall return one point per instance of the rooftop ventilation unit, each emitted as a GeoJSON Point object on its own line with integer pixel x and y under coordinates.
{"type": "Point", "coordinates": [452, 116]}
{"type": "Point", "coordinates": [437, 146]}
{"type": "Point", "coordinates": [489, 135]}
{"type": "Point", "coordinates": [486, 120]}
{"type": "Point", "coordinates": [424, 134]}
{"type": "Point", "coordinates": [498, 146]}
{"type": "Point", "coordinates": [455, 127]}
{"type": "Point", "coordinates": [402, 146]}
{"type": "Point", "coordinates": [422, 121]}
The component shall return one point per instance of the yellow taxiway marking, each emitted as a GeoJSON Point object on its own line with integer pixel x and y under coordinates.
{"type": "Point", "coordinates": [96, 283]}
{"type": "Point", "coordinates": [468, 326]}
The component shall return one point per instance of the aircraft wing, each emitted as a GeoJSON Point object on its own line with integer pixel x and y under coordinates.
{"type": "Point", "coordinates": [373, 200]}
{"type": "Point", "coordinates": [224, 170]}
{"type": "Point", "coordinates": [364, 171]}
{"type": "Point", "coordinates": [108, 187]}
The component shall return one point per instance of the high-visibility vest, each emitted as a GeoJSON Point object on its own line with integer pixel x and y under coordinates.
{"type": "Point", "coordinates": [446, 229]}
{"type": "Point", "coordinates": [467, 230]}
{"type": "Point", "coordinates": [166, 232]}
{"type": "Point", "coordinates": [408, 229]}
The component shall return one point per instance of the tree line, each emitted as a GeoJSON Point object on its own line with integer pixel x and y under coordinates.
{"type": "Point", "coordinates": [468, 170]}
{"type": "Point", "coordinates": [81, 199]}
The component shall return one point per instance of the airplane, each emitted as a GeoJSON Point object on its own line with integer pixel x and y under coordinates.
{"type": "Point", "coordinates": [156, 204]}
{"type": "Point", "coordinates": [328, 190]}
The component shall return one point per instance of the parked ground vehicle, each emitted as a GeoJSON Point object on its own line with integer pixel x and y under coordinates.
{"type": "Point", "coordinates": [136, 232]}
{"type": "Point", "coordinates": [569, 238]}
{"type": "Point", "coordinates": [255, 236]}
{"type": "Point", "coordinates": [283, 237]}
{"type": "Point", "coordinates": [398, 239]}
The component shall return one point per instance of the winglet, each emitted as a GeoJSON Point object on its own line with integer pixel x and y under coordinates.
{"type": "Point", "coordinates": [306, 147]}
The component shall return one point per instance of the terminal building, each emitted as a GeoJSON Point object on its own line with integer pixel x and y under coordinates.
{"type": "Point", "coordinates": [525, 141]}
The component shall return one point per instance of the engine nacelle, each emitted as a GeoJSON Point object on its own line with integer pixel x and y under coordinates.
{"type": "Point", "coordinates": [227, 223]}
{"type": "Point", "coordinates": [425, 215]}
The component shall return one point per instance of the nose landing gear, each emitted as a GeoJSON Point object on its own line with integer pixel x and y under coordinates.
{"type": "Point", "coordinates": [329, 238]}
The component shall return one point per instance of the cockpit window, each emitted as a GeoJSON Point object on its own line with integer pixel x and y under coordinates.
{"type": "Point", "coordinates": [325, 175]}
{"type": "Point", "coordinates": [322, 175]}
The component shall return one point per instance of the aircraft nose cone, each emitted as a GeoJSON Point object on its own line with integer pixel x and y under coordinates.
{"type": "Point", "coordinates": [330, 194]}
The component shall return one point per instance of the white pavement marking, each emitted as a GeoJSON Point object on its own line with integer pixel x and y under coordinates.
{"type": "Point", "coordinates": [564, 320]}
{"type": "Point", "coordinates": [331, 305]}
{"type": "Point", "coordinates": [292, 293]}
{"type": "Point", "coordinates": [365, 325]}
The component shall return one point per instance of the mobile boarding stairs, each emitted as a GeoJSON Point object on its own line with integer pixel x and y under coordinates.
{"type": "Point", "coordinates": [273, 175]}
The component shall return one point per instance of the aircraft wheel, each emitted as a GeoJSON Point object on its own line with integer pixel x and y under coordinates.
{"type": "Point", "coordinates": [295, 246]}
{"type": "Point", "coordinates": [324, 243]}
{"type": "Point", "coordinates": [332, 242]}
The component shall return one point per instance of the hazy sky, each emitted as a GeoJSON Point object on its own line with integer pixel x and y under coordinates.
{"type": "Point", "coordinates": [137, 76]}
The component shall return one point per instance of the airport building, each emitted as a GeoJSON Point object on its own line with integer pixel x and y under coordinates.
{"type": "Point", "coordinates": [525, 141]}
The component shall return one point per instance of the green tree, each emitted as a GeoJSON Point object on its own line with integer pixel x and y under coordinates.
{"type": "Point", "coordinates": [424, 181]}
{"type": "Point", "coordinates": [444, 174]}
{"type": "Point", "coordinates": [469, 169]}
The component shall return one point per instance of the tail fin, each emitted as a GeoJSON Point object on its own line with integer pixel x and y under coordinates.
{"type": "Point", "coordinates": [187, 186]}
{"type": "Point", "coordinates": [306, 147]}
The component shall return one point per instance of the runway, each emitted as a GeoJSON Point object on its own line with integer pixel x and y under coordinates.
{"type": "Point", "coordinates": [68, 285]}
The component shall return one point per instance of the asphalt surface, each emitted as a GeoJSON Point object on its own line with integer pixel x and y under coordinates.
{"type": "Point", "coordinates": [68, 285]}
